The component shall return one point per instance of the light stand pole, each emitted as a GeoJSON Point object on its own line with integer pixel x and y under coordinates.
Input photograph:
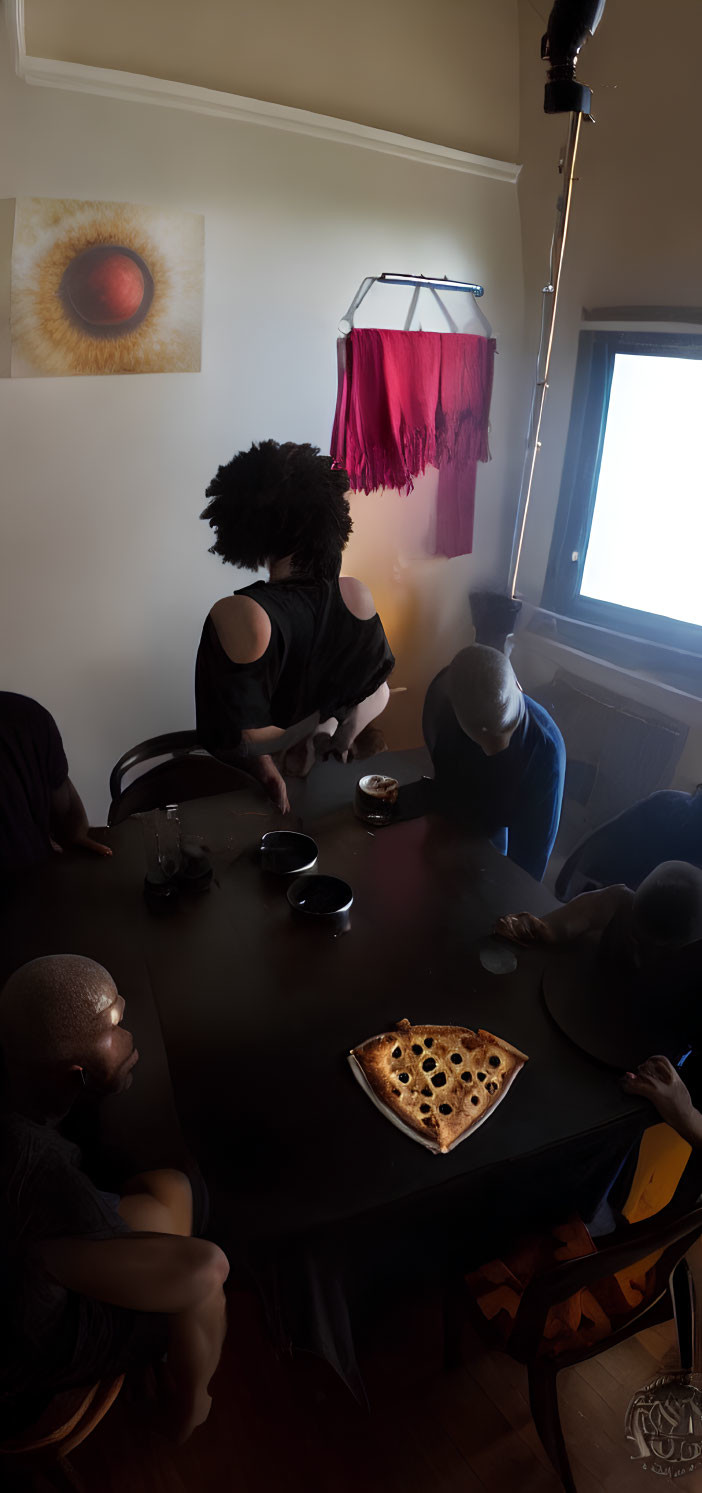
{"type": "Point", "coordinates": [569, 25]}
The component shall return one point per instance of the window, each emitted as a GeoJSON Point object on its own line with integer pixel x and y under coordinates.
{"type": "Point", "coordinates": [627, 546]}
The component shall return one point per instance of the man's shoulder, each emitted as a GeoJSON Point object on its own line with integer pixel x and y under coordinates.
{"type": "Point", "coordinates": [21, 1137]}
{"type": "Point", "coordinates": [438, 689]}
{"type": "Point", "coordinates": [543, 726]}
{"type": "Point", "coordinates": [22, 709]}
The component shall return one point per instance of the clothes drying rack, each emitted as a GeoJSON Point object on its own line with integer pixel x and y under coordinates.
{"type": "Point", "coordinates": [433, 283]}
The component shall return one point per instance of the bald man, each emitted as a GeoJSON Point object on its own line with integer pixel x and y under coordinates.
{"type": "Point", "coordinates": [92, 1284]}
{"type": "Point", "coordinates": [499, 759]}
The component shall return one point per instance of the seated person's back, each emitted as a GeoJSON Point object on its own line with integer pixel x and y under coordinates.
{"type": "Point", "coordinates": [667, 826]}
{"type": "Point", "coordinates": [33, 767]}
{"type": "Point", "coordinates": [499, 759]}
{"type": "Point", "coordinates": [73, 1310]}
{"type": "Point", "coordinates": [38, 802]}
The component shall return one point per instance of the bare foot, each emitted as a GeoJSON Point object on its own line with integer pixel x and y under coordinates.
{"type": "Point", "coordinates": [300, 759]}
{"type": "Point", "coordinates": [370, 742]}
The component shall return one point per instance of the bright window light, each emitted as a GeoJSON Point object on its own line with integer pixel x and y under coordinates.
{"type": "Point", "coordinates": [645, 546]}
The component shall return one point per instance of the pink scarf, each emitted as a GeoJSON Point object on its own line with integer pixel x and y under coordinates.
{"type": "Point", "coordinates": [408, 400]}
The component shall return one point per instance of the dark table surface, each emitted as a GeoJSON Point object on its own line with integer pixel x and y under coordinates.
{"type": "Point", "coordinates": [258, 1010]}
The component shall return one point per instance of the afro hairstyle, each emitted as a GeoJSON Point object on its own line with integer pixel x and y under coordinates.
{"type": "Point", "coordinates": [276, 500]}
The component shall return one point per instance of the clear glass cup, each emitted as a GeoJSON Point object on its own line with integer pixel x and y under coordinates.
{"type": "Point", "coordinates": [375, 798]}
{"type": "Point", "coordinates": [170, 855]}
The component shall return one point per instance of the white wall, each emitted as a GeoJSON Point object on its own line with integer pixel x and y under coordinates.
{"type": "Point", "coordinates": [104, 572]}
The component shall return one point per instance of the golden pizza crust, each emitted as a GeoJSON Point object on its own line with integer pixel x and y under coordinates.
{"type": "Point", "coordinates": [438, 1079]}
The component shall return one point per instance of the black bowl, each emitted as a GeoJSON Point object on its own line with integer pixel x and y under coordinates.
{"type": "Point", "coordinates": [325, 898]}
{"type": "Point", "coordinates": [286, 853]}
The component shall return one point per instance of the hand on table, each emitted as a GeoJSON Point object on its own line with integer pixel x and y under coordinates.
{"type": "Point", "coordinates": [523, 927]}
{"type": "Point", "coordinates": [265, 770]}
{"type": "Point", "coordinates": [84, 842]}
{"type": "Point", "coordinates": [658, 1081]}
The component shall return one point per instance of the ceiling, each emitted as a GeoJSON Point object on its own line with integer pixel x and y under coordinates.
{"type": "Point", "coordinates": [445, 71]}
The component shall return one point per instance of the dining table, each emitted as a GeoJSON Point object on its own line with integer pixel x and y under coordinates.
{"type": "Point", "coordinates": [245, 1014]}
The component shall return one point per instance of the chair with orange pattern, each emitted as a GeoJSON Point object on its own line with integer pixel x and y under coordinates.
{"type": "Point", "coordinates": [67, 1421]}
{"type": "Point", "coordinates": [558, 1299]}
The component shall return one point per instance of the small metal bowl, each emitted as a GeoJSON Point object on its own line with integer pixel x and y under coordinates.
{"type": "Point", "coordinates": [323, 899]}
{"type": "Point", "coordinates": [284, 852]}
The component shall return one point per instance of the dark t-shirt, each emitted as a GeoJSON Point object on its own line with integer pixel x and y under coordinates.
{"type": "Point", "coordinates": [32, 766]}
{"type": "Point", "coordinates": [53, 1339]}
{"type": "Point", "coordinates": [320, 658]}
{"type": "Point", "coordinates": [519, 790]}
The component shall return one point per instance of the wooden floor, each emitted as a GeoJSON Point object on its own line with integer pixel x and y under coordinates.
{"type": "Point", "coordinates": [291, 1426]}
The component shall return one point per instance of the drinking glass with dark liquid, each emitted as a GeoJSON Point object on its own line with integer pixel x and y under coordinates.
{"type": "Point", "coordinates": [376, 797]}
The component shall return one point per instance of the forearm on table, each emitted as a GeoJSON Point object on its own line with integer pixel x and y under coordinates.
{"type": "Point", "coordinates": [69, 821]}
{"type": "Point", "coordinates": [589, 913]}
{"type": "Point", "coordinates": [690, 1129]}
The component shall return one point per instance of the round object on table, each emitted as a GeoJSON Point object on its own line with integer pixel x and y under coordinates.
{"type": "Point", "coordinates": [498, 958]}
{"type": "Point", "coordinates": [195, 874]}
{"type": "Point", "coordinates": [607, 1014]}
{"type": "Point", "coordinates": [160, 891]}
{"type": "Point", "coordinates": [325, 897]}
{"type": "Point", "coordinates": [287, 853]}
{"type": "Point", "coordinates": [375, 798]}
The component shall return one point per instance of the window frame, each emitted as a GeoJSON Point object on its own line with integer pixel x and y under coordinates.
{"type": "Point", "coordinates": [597, 350]}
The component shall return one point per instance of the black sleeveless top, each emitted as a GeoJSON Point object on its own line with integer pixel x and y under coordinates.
{"type": "Point", "coordinates": [320, 658]}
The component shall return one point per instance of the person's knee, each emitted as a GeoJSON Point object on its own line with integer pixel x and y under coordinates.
{"type": "Point", "coordinates": [213, 1268]}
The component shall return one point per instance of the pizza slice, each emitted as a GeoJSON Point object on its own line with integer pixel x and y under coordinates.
{"type": "Point", "coordinates": [438, 1080]}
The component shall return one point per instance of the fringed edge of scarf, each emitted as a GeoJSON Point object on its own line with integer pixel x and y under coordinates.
{"type": "Point", "coordinates": [463, 437]}
{"type": "Point", "coordinates": [375, 468]}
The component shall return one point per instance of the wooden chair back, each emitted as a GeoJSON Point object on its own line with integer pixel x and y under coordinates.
{"type": "Point", "coordinates": [669, 1233]}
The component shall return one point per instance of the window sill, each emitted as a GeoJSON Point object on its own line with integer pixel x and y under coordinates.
{"type": "Point", "coordinates": [655, 670]}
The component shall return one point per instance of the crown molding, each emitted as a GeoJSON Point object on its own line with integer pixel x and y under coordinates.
{"type": "Point", "coordinates": [137, 88]}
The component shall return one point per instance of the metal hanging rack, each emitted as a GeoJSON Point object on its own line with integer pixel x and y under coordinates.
{"type": "Point", "coordinates": [433, 283]}
{"type": "Point", "coordinates": [439, 283]}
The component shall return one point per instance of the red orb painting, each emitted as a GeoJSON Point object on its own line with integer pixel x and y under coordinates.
{"type": "Point", "coordinates": [105, 287]}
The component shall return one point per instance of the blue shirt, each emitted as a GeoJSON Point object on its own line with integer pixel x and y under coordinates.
{"type": "Point", "coordinates": [665, 827]}
{"type": "Point", "coordinates": [514, 797]}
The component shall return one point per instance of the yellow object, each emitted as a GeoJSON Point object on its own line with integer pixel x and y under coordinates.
{"type": "Point", "coordinates": [663, 1156]}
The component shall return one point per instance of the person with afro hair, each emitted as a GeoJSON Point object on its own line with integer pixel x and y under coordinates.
{"type": "Point", "coordinates": [293, 668]}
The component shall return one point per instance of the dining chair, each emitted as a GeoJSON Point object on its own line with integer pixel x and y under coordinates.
{"type": "Point", "coordinates": [67, 1421]}
{"type": "Point", "coordinates": [188, 772]}
{"type": "Point", "coordinates": [668, 1236]}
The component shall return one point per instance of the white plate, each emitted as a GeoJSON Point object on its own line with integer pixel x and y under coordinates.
{"type": "Point", "coordinates": [430, 1145]}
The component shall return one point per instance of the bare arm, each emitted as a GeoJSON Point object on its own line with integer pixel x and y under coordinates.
{"type": "Point", "coordinates": [589, 913]}
{"type": "Point", "coordinates": [143, 1272]}
{"type": "Point", "coordinates": [244, 631]}
{"type": "Point", "coordinates": [69, 821]}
